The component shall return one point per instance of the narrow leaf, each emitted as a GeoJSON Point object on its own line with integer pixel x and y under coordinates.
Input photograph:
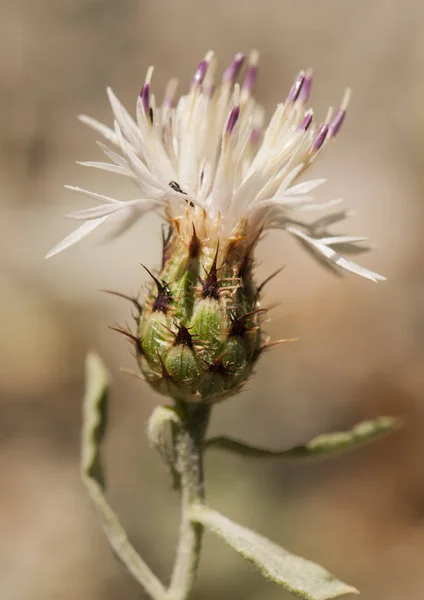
{"type": "Point", "coordinates": [94, 430]}
{"type": "Point", "coordinates": [161, 418]}
{"type": "Point", "coordinates": [297, 575]}
{"type": "Point", "coordinates": [319, 446]}
{"type": "Point", "coordinates": [94, 418]}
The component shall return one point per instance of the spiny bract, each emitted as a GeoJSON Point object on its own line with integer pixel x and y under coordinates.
{"type": "Point", "coordinates": [199, 332]}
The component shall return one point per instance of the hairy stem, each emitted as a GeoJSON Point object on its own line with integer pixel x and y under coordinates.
{"type": "Point", "coordinates": [189, 445]}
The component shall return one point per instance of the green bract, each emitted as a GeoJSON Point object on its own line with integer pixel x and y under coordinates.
{"type": "Point", "coordinates": [199, 332]}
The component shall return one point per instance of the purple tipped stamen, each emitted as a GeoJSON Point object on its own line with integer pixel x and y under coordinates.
{"type": "Point", "coordinates": [233, 118]}
{"type": "Point", "coordinates": [337, 122]}
{"type": "Point", "coordinates": [231, 74]}
{"type": "Point", "coordinates": [296, 88]}
{"type": "Point", "coordinates": [209, 91]}
{"type": "Point", "coordinates": [307, 120]}
{"type": "Point", "coordinates": [255, 135]}
{"type": "Point", "coordinates": [320, 139]}
{"type": "Point", "coordinates": [305, 91]}
{"type": "Point", "coordinates": [200, 73]}
{"type": "Point", "coordinates": [145, 96]}
{"type": "Point", "coordinates": [250, 78]}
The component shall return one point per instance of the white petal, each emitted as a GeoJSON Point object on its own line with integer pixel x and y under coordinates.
{"type": "Point", "coordinates": [107, 167]}
{"type": "Point", "coordinates": [327, 220]}
{"type": "Point", "coordinates": [94, 212]}
{"type": "Point", "coordinates": [104, 130]}
{"type": "Point", "coordinates": [104, 210]}
{"type": "Point", "coordinates": [114, 156]}
{"type": "Point", "coordinates": [127, 217]}
{"type": "Point", "coordinates": [333, 257]}
{"type": "Point", "coordinates": [319, 205]}
{"type": "Point", "coordinates": [94, 195]}
{"type": "Point", "coordinates": [126, 122]}
{"type": "Point", "coordinates": [305, 187]}
{"type": "Point", "coordinates": [76, 236]}
{"type": "Point", "coordinates": [343, 239]}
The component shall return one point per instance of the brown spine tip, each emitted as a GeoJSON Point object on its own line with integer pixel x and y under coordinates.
{"type": "Point", "coordinates": [210, 285]}
{"type": "Point", "coordinates": [268, 279]}
{"type": "Point", "coordinates": [133, 339]}
{"type": "Point", "coordinates": [245, 266]}
{"type": "Point", "coordinates": [166, 239]}
{"type": "Point", "coordinates": [246, 262]}
{"type": "Point", "coordinates": [195, 245]}
{"type": "Point", "coordinates": [164, 296]}
{"type": "Point", "coordinates": [272, 344]}
{"type": "Point", "coordinates": [125, 297]}
{"type": "Point", "coordinates": [239, 325]}
{"type": "Point", "coordinates": [218, 367]}
{"type": "Point", "coordinates": [133, 373]}
{"type": "Point", "coordinates": [183, 337]}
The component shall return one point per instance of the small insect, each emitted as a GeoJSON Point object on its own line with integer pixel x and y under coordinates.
{"type": "Point", "coordinates": [175, 186]}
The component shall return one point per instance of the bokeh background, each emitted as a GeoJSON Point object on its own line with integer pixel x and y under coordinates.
{"type": "Point", "coordinates": [361, 345]}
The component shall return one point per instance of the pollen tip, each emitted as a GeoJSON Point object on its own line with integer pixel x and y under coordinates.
{"type": "Point", "coordinates": [252, 73]}
{"type": "Point", "coordinates": [145, 97]}
{"type": "Point", "coordinates": [169, 97]}
{"type": "Point", "coordinates": [296, 87]}
{"type": "Point", "coordinates": [306, 87]}
{"type": "Point", "coordinates": [340, 115]}
{"type": "Point", "coordinates": [232, 119]}
{"type": "Point", "coordinates": [231, 73]}
{"type": "Point", "coordinates": [347, 96]}
{"type": "Point", "coordinates": [307, 120]}
{"type": "Point", "coordinates": [320, 139]}
{"type": "Point", "coordinates": [253, 57]}
{"type": "Point", "coordinates": [200, 72]}
{"type": "Point", "coordinates": [149, 74]}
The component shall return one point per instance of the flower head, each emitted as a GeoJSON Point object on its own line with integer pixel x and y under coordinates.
{"type": "Point", "coordinates": [208, 161]}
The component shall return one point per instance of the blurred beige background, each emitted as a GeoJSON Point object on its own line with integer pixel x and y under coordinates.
{"type": "Point", "coordinates": [362, 345]}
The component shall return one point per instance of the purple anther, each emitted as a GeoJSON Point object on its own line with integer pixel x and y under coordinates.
{"type": "Point", "coordinates": [200, 73]}
{"type": "Point", "coordinates": [306, 88]}
{"type": "Point", "coordinates": [144, 95]}
{"type": "Point", "coordinates": [296, 88]}
{"type": "Point", "coordinates": [255, 135]}
{"type": "Point", "coordinates": [231, 74]}
{"type": "Point", "coordinates": [319, 140]}
{"type": "Point", "coordinates": [209, 91]}
{"type": "Point", "coordinates": [250, 78]}
{"type": "Point", "coordinates": [337, 122]}
{"type": "Point", "coordinates": [168, 102]}
{"type": "Point", "coordinates": [307, 120]}
{"type": "Point", "coordinates": [233, 118]}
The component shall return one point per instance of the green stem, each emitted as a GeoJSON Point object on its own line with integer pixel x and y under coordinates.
{"type": "Point", "coordinates": [189, 447]}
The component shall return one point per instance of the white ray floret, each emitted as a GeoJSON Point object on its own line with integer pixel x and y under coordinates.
{"type": "Point", "coordinates": [210, 149]}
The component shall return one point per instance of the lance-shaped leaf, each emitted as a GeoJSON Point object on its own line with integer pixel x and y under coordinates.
{"type": "Point", "coordinates": [319, 446]}
{"type": "Point", "coordinates": [297, 575]}
{"type": "Point", "coordinates": [94, 429]}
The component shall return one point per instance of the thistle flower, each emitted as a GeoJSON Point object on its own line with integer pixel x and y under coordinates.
{"type": "Point", "coordinates": [220, 178]}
